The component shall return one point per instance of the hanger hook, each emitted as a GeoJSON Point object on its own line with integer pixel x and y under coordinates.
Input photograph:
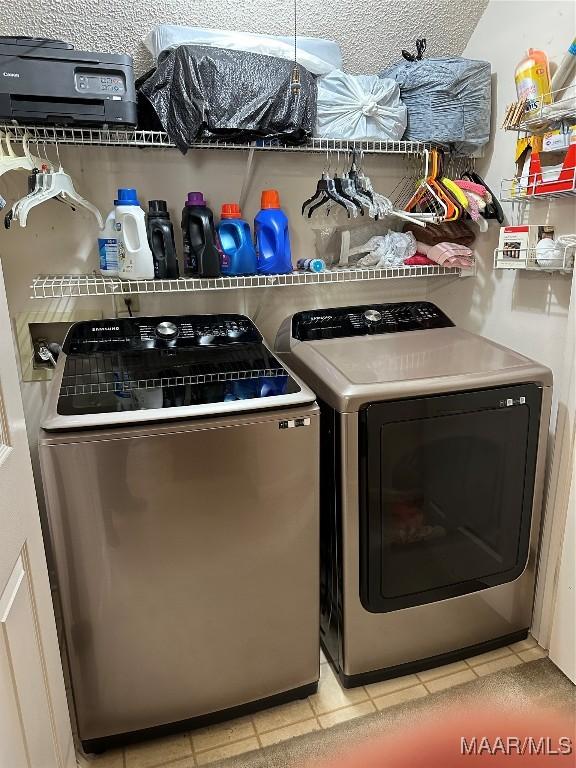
{"type": "Point", "coordinates": [58, 155]}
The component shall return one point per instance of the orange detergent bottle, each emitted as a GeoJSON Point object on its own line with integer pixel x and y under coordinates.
{"type": "Point", "coordinates": [532, 77]}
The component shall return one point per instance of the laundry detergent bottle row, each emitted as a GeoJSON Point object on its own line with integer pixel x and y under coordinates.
{"type": "Point", "coordinates": [238, 254]}
{"type": "Point", "coordinates": [135, 260]}
{"type": "Point", "coordinates": [201, 253]}
{"type": "Point", "coordinates": [272, 236]}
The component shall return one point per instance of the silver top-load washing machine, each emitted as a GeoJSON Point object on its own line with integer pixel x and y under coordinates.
{"type": "Point", "coordinates": [180, 467]}
{"type": "Point", "coordinates": [432, 458]}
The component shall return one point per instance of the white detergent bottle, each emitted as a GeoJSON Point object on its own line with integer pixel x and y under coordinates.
{"type": "Point", "coordinates": [108, 247]}
{"type": "Point", "coordinates": [135, 260]}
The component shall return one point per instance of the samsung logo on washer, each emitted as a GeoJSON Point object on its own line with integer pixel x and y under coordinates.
{"type": "Point", "coordinates": [10, 74]}
{"type": "Point", "coordinates": [101, 328]}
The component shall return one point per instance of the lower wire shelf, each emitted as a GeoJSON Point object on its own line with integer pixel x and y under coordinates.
{"type": "Point", "coordinates": [71, 286]}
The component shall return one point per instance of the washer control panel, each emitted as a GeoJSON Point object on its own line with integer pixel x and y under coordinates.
{"type": "Point", "coordinates": [342, 322]}
{"type": "Point", "coordinates": [140, 333]}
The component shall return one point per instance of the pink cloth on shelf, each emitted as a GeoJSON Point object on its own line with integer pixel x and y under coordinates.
{"type": "Point", "coordinates": [448, 254]}
{"type": "Point", "coordinates": [419, 260]}
{"type": "Point", "coordinates": [473, 207]}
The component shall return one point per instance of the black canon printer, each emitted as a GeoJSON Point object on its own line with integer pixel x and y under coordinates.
{"type": "Point", "coordinates": [48, 81]}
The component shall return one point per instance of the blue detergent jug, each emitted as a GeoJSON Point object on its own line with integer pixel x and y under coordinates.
{"type": "Point", "coordinates": [238, 254]}
{"type": "Point", "coordinates": [272, 236]}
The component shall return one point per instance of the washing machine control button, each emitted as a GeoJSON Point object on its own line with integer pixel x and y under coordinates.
{"type": "Point", "coordinates": [166, 330]}
{"type": "Point", "coordinates": [372, 316]}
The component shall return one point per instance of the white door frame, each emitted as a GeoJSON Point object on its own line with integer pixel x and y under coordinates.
{"type": "Point", "coordinates": [35, 729]}
{"type": "Point", "coordinates": [555, 544]}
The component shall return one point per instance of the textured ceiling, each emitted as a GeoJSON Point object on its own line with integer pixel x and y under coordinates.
{"type": "Point", "coordinates": [371, 34]}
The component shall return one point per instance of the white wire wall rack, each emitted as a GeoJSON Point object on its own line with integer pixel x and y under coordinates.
{"type": "Point", "coordinates": [530, 259]}
{"type": "Point", "coordinates": [116, 137]}
{"type": "Point", "coordinates": [73, 286]}
{"type": "Point", "coordinates": [544, 186]}
{"type": "Point", "coordinates": [552, 110]}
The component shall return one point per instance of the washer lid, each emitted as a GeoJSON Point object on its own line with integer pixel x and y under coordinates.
{"type": "Point", "coordinates": [145, 369]}
{"type": "Point", "coordinates": [348, 372]}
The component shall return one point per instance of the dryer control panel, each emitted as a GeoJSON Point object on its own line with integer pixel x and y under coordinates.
{"type": "Point", "coordinates": [342, 322]}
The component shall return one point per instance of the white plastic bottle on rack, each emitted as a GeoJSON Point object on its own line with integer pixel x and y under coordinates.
{"type": "Point", "coordinates": [108, 247]}
{"type": "Point", "coordinates": [135, 261]}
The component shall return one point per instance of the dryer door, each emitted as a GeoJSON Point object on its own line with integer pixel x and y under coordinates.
{"type": "Point", "coordinates": [446, 489]}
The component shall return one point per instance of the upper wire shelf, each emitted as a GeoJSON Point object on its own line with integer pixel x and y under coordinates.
{"type": "Point", "coordinates": [551, 111]}
{"type": "Point", "coordinates": [115, 137]}
{"type": "Point", "coordinates": [73, 286]}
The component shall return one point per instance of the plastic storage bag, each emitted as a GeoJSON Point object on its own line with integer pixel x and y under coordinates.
{"type": "Point", "coordinates": [198, 92]}
{"type": "Point", "coordinates": [315, 54]}
{"type": "Point", "coordinates": [359, 107]}
{"type": "Point", "coordinates": [448, 100]}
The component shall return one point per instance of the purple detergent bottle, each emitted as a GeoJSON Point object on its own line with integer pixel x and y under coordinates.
{"type": "Point", "coordinates": [201, 254]}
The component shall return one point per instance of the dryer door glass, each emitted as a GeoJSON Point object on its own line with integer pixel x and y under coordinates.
{"type": "Point", "coordinates": [446, 494]}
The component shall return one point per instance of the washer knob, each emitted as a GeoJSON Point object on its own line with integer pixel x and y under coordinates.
{"type": "Point", "coordinates": [166, 330]}
{"type": "Point", "coordinates": [373, 316]}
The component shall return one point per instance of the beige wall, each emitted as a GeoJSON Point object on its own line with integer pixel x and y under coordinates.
{"type": "Point", "coordinates": [523, 310]}
{"type": "Point", "coordinates": [58, 240]}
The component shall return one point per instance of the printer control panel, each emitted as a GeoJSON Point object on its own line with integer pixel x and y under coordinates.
{"type": "Point", "coordinates": [99, 83]}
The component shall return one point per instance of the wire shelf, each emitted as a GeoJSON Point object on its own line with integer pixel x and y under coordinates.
{"type": "Point", "coordinates": [115, 137]}
{"type": "Point", "coordinates": [551, 111]}
{"type": "Point", "coordinates": [71, 286]}
{"type": "Point", "coordinates": [528, 258]}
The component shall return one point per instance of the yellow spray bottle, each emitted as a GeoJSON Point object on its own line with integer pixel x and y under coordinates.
{"type": "Point", "coordinates": [533, 79]}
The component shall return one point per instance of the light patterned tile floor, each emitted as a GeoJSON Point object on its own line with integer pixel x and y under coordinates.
{"type": "Point", "coordinates": [330, 706]}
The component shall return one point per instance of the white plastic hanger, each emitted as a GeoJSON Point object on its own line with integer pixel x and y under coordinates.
{"type": "Point", "coordinates": [49, 185]}
{"type": "Point", "coordinates": [55, 184]}
{"type": "Point", "coordinates": [10, 161]}
{"type": "Point", "coordinates": [385, 207]}
{"type": "Point", "coordinates": [383, 204]}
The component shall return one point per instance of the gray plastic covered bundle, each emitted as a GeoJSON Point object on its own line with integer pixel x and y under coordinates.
{"type": "Point", "coordinates": [448, 100]}
{"type": "Point", "coordinates": [202, 92]}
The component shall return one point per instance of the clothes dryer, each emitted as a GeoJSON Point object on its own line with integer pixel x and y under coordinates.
{"type": "Point", "coordinates": [433, 443]}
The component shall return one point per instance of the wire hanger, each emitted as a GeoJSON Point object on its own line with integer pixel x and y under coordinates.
{"type": "Point", "coordinates": [383, 205]}
{"type": "Point", "coordinates": [327, 193]}
{"type": "Point", "coordinates": [428, 198]}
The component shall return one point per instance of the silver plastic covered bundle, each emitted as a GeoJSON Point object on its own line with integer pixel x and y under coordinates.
{"type": "Point", "coordinates": [202, 92]}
